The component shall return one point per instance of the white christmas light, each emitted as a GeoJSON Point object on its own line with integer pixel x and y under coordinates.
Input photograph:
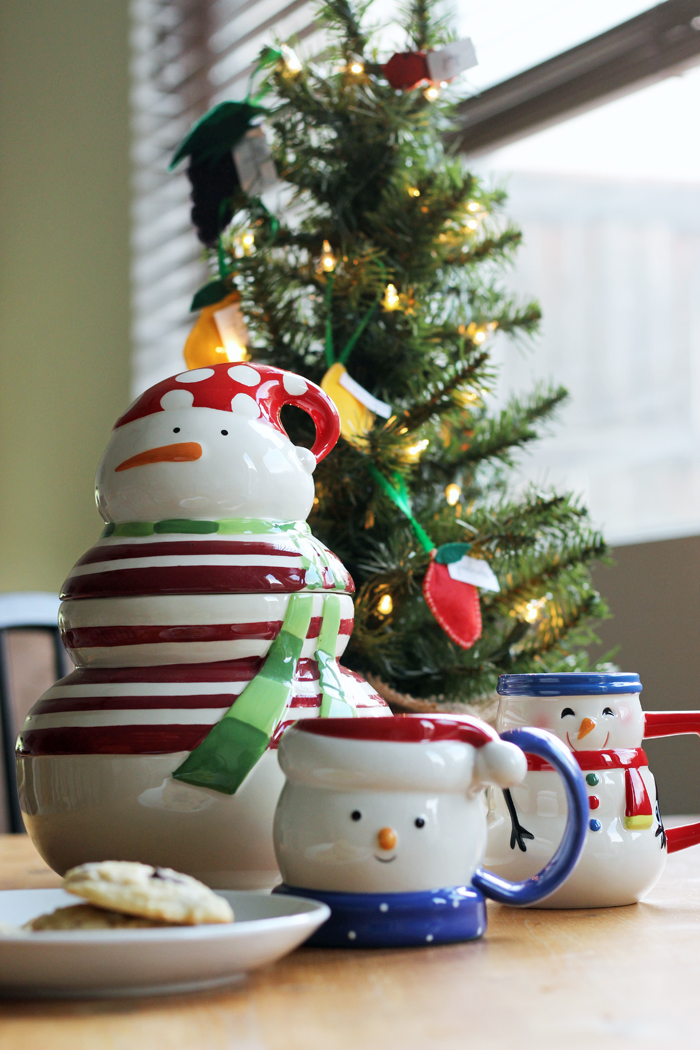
{"type": "Point", "coordinates": [452, 494]}
{"type": "Point", "coordinates": [327, 258]}
{"type": "Point", "coordinates": [414, 451]}
{"type": "Point", "coordinates": [391, 300]}
{"type": "Point", "coordinates": [292, 65]}
{"type": "Point", "coordinates": [532, 609]}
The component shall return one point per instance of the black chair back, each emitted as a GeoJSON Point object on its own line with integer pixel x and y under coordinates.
{"type": "Point", "coordinates": [35, 612]}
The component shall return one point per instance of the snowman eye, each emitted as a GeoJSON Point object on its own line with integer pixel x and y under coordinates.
{"type": "Point", "coordinates": [567, 711]}
{"type": "Point", "coordinates": [176, 430]}
{"type": "Point", "coordinates": [356, 815]}
{"type": "Point", "coordinates": [419, 822]}
{"type": "Point", "coordinates": [224, 432]}
{"type": "Point", "coordinates": [608, 711]}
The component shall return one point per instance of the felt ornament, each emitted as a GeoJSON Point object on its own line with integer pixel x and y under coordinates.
{"type": "Point", "coordinates": [218, 335]}
{"type": "Point", "coordinates": [450, 589]}
{"type": "Point", "coordinates": [212, 171]}
{"type": "Point", "coordinates": [406, 70]}
{"type": "Point", "coordinates": [454, 604]}
{"type": "Point", "coordinates": [409, 69]}
{"type": "Point", "coordinates": [357, 408]}
{"type": "Point", "coordinates": [450, 584]}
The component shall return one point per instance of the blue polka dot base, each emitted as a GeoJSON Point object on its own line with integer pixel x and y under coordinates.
{"type": "Point", "coordinates": [397, 920]}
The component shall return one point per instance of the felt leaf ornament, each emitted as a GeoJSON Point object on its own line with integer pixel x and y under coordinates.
{"type": "Point", "coordinates": [356, 406]}
{"type": "Point", "coordinates": [454, 604]}
{"type": "Point", "coordinates": [218, 335]}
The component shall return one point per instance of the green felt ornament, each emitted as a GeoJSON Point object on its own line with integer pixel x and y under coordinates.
{"type": "Point", "coordinates": [217, 132]}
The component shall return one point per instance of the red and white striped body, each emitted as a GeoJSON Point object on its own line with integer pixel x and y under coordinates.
{"type": "Point", "coordinates": [160, 657]}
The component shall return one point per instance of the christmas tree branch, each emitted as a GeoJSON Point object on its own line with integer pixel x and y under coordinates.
{"type": "Point", "coordinates": [514, 427]}
{"type": "Point", "coordinates": [442, 398]}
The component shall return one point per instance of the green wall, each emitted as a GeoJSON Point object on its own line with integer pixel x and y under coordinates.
{"type": "Point", "coordinates": [64, 274]}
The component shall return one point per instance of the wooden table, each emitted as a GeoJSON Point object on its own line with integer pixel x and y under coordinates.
{"type": "Point", "coordinates": [591, 979]}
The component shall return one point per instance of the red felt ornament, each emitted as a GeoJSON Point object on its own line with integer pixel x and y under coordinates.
{"type": "Point", "coordinates": [407, 70]}
{"type": "Point", "coordinates": [453, 601]}
{"type": "Point", "coordinates": [454, 604]}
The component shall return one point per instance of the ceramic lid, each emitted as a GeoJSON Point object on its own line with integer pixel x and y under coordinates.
{"type": "Point", "coordinates": [258, 390]}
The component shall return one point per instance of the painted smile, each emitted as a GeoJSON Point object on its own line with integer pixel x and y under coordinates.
{"type": "Point", "coordinates": [574, 748]}
{"type": "Point", "coordinates": [384, 860]}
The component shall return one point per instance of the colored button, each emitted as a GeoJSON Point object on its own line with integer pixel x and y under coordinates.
{"type": "Point", "coordinates": [594, 825]}
{"type": "Point", "coordinates": [593, 801]}
{"type": "Point", "coordinates": [592, 779]}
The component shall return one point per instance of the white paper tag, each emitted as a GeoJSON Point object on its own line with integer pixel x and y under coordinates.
{"type": "Point", "coordinates": [475, 571]}
{"type": "Point", "coordinates": [233, 331]}
{"type": "Point", "coordinates": [254, 163]}
{"type": "Point", "coordinates": [451, 60]}
{"type": "Point", "coordinates": [380, 408]}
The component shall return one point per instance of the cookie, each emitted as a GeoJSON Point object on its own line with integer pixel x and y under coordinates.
{"type": "Point", "coordinates": [87, 917]}
{"type": "Point", "coordinates": [154, 893]}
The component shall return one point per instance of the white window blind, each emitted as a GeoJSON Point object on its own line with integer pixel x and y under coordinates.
{"type": "Point", "coordinates": [187, 56]}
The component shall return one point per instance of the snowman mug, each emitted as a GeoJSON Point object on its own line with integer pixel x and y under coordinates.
{"type": "Point", "coordinates": [384, 819]}
{"type": "Point", "coordinates": [600, 718]}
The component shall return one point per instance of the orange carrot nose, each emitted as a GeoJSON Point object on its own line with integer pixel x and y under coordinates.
{"type": "Point", "coordinates": [386, 838]}
{"type": "Point", "coordinates": [183, 452]}
{"type": "Point", "coordinates": [586, 727]}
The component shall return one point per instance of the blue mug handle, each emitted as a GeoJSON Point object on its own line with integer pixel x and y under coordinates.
{"type": "Point", "coordinates": [545, 745]}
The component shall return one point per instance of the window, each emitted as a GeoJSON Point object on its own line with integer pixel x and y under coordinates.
{"type": "Point", "coordinates": [609, 202]}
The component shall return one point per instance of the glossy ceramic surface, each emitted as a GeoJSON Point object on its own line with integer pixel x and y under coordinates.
{"type": "Point", "coordinates": [600, 719]}
{"type": "Point", "coordinates": [171, 618]}
{"type": "Point", "coordinates": [397, 920]}
{"type": "Point", "coordinates": [396, 807]}
{"type": "Point", "coordinates": [84, 964]}
{"type": "Point", "coordinates": [212, 446]}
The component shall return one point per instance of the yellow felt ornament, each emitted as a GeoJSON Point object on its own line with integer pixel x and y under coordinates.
{"type": "Point", "coordinates": [355, 418]}
{"type": "Point", "coordinates": [219, 334]}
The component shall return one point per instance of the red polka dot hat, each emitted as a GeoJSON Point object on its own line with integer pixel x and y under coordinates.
{"type": "Point", "coordinates": [251, 389]}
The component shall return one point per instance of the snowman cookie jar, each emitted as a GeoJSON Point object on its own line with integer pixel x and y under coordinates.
{"type": "Point", "coordinates": [205, 620]}
{"type": "Point", "coordinates": [385, 821]}
{"type": "Point", "coordinates": [600, 718]}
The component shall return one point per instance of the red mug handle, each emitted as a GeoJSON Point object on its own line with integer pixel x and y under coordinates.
{"type": "Point", "coordinates": [294, 390]}
{"type": "Point", "coordinates": [675, 723]}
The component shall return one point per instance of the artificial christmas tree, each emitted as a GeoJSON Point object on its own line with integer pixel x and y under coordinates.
{"type": "Point", "coordinates": [381, 281]}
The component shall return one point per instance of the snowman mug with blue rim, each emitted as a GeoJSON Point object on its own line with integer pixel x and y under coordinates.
{"type": "Point", "coordinates": [600, 719]}
{"type": "Point", "coordinates": [384, 819]}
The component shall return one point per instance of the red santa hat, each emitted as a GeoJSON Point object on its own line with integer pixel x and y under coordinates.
{"type": "Point", "coordinates": [332, 753]}
{"type": "Point", "coordinates": [257, 391]}
{"type": "Point", "coordinates": [404, 729]}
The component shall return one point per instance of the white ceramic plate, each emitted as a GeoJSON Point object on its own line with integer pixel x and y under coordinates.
{"type": "Point", "coordinates": [147, 961]}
